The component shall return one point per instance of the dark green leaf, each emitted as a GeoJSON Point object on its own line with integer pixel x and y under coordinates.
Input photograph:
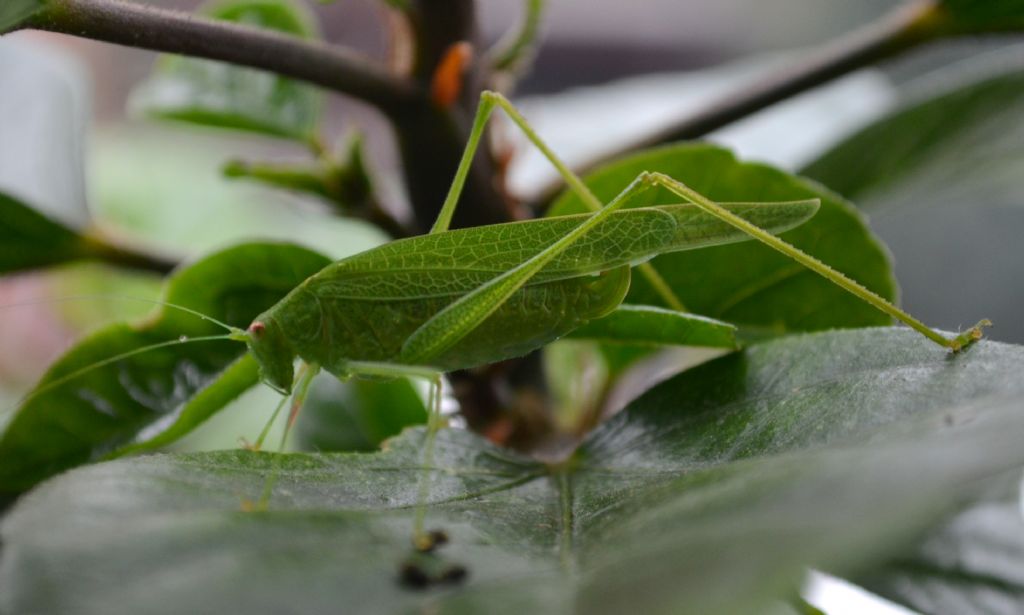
{"type": "Point", "coordinates": [93, 415]}
{"type": "Point", "coordinates": [644, 324]}
{"type": "Point", "coordinates": [749, 284]}
{"type": "Point", "coordinates": [986, 14]}
{"type": "Point", "coordinates": [236, 378]}
{"type": "Point", "coordinates": [972, 566]}
{"type": "Point", "coordinates": [357, 415]}
{"type": "Point", "coordinates": [14, 12]}
{"type": "Point", "coordinates": [225, 96]}
{"type": "Point", "coordinates": [941, 178]}
{"type": "Point", "coordinates": [711, 494]}
{"type": "Point", "coordinates": [29, 240]}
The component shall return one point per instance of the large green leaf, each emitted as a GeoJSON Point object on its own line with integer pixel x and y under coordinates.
{"type": "Point", "coordinates": [749, 284]}
{"type": "Point", "coordinates": [940, 176]}
{"type": "Point", "coordinates": [90, 416]}
{"type": "Point", "coordinates": [710, 494]}
{"type": "Point", "coordinates": [972, 566]}
{"type": "Point", "coordinates": [14, 12]}
{"type": "Point", "coordinates": [225, 96]}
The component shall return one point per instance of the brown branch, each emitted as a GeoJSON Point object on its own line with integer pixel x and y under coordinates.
{"type": "Point", "coordinates": [94, 247]}
{"type": "Point", "coordinates": [906, 27]}
{"type": "Point", "coordinates": [135, 25]}
{"type": "Point", "coordinates": [431, 139]}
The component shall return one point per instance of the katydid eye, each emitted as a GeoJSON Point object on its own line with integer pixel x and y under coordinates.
{"type": "Point", "coordinates": [257, 329]}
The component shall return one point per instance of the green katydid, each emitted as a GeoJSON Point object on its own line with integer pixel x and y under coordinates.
{"type": "Point", "coordinates": [436, 333]}
{"type": "Point", "coordinates": [454, 299]}
{"type": "Point", "coordinates": [489, 319]}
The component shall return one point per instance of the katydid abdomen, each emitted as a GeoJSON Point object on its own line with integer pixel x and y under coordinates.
{"type": "Point", "coordinates": [331, 330]}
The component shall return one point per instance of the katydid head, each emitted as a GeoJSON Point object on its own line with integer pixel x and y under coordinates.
{"type": "Point", "coordinates": [269, 345]}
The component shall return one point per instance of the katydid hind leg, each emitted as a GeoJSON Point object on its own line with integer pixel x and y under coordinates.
{"type": "Point", "coordinates": [422, 539]}
{"type": "Point", "coordinates": [448, 326]}
{"type": "Point", "coordinates": [955, 344]}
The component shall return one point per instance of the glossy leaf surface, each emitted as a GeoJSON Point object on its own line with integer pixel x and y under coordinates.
{"type": "Point", "coordinates": [710, 494]}
{"type": "Point", "coordinates": [974, 565]}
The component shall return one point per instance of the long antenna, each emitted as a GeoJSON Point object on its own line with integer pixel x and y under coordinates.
{"type": "Point", "coordinates": [114, 359]}
{"type": "Point", "coordinates": [70, 298]}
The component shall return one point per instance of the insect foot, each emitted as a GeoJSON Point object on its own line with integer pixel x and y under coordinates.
{"type": "Point", "coordinates": [430, 541]}
{"type": "Point", "coordinates": [425, 568]}
{"type": "Point", "coordinates": [969, 336]}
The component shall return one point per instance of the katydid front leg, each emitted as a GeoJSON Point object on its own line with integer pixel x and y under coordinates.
{"type": "Point", "coordinates": [298, 397]}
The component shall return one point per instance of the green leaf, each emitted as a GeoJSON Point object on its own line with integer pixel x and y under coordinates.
{"type": "Point", "coordinates": [357, 415]}
{"type": "Point", "coordinates": [710, 494]}
{"type": "Point", "coordinates": [749, 284]}
{"type": "Point", "coordinates": [644, 324]}
{"type": "Point", "coordinates": [986, 14]}
{"type": "Point", "coordinates": [225, 96]}
{"type": "Point", "coordinates": [91, 416]}
{"type": "Point", "coordinates": [236, 378]}
{"type": "Point", "coordinates": [972, 566]}
{"type": "Point", "coordinates": [29, 240]}
{"type": "Point", "coordinates": [940, 175]}
{"type": "Point", "coordinates": [14, 12]}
